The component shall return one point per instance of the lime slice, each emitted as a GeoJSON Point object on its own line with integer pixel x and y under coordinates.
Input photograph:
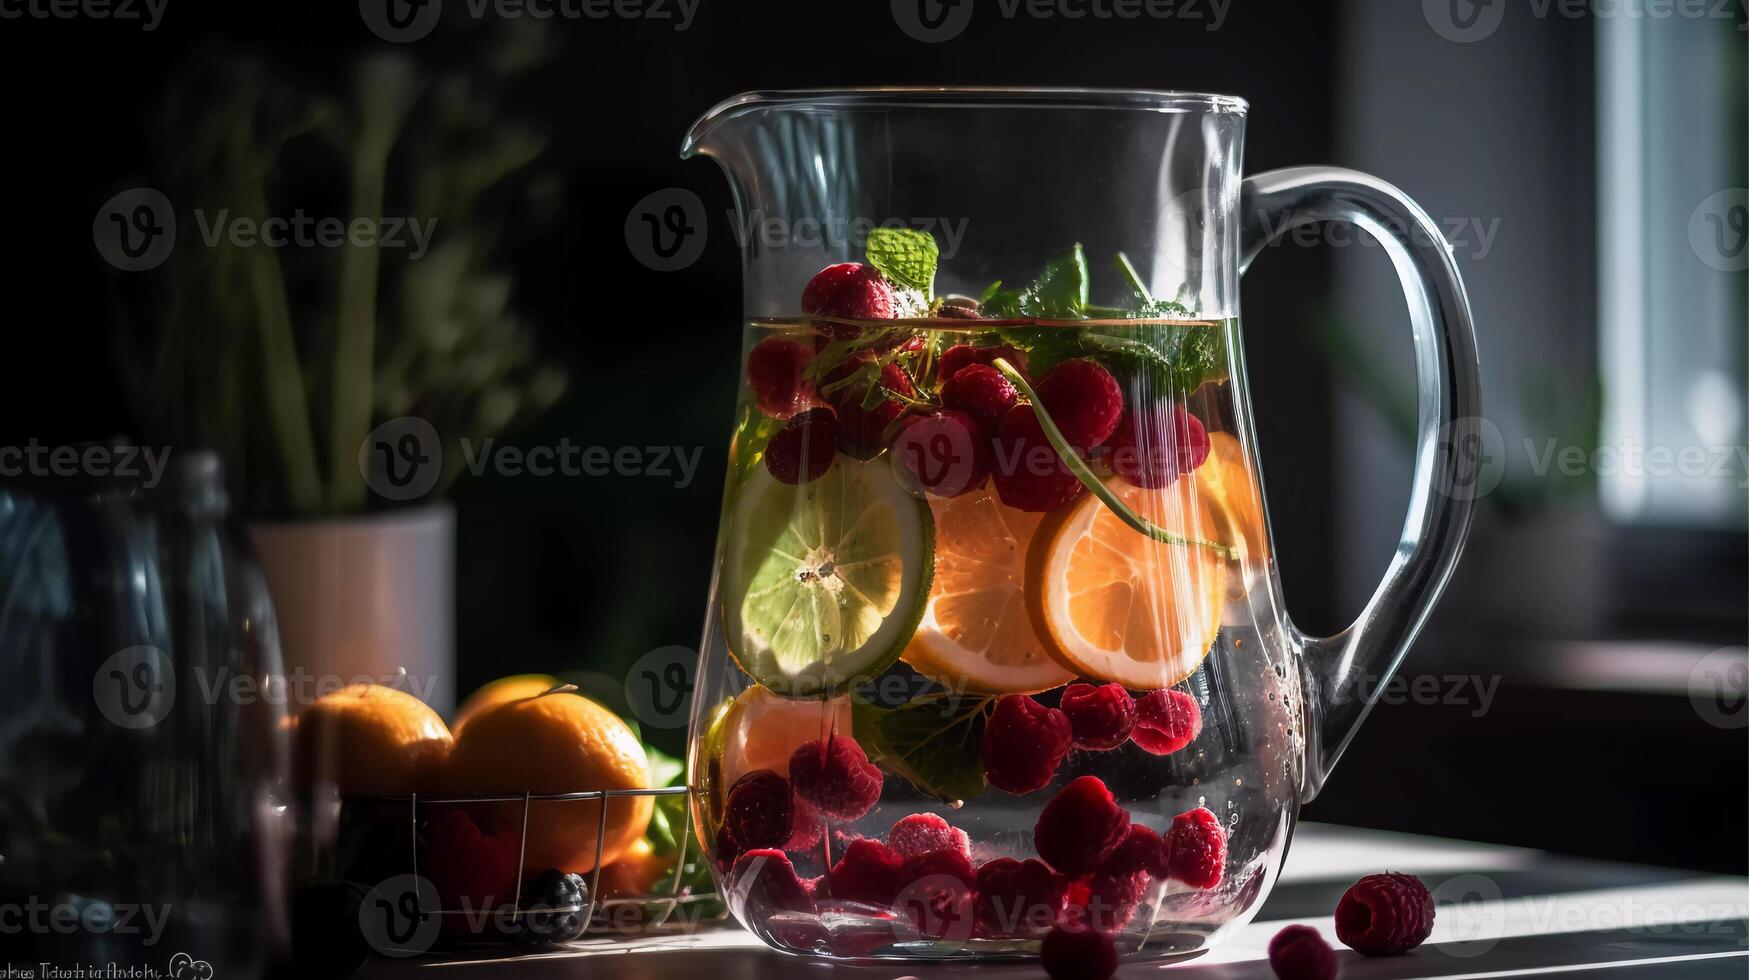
{"type": "Point", "coordinates": [824, 582]}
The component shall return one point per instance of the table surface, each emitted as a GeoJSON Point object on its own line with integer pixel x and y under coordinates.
{"type": "Point", "coordinates": [1526, 913]}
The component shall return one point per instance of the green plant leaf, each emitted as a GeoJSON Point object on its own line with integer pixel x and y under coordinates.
{"type": "Point", "coordinates": [936, 744]}
{"type": "Point", "coordinates": [906, 256]}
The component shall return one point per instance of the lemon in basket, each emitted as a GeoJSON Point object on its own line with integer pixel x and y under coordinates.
{"type": "Point", "coordinates": [558, 742]}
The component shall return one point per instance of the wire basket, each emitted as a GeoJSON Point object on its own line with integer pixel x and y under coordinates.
{"type": "Point", "coordinates": [657, 911]}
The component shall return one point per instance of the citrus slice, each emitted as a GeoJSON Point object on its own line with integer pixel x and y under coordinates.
{"type": "Point", "coordinates": [1227, 487]}
{"type": "Point", "coordinates": [824, 582]}
{"type": "Point", "coordinates": [975, 634]}
{"type": "Point", "coordinates": [1114, 604]}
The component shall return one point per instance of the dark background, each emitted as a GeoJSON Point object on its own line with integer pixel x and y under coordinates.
{"type": "Point", "coordinates": [557, 575]}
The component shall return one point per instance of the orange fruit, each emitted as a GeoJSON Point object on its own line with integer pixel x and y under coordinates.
{"type": "Point", "coordinates": [555, 743]}
{"type": "Point", "coordinates": [975, 634]}
{"type": "Point", "coordinates": [1226, 485]}
{"type": "Point", "coordinates": [1112, 603]}
{"type": "Point", "coordinates": [762, 730]}
{"type": "Point", "coordinates": [371, 740]}
{"type": "Point", "coordinates": [512, 688]}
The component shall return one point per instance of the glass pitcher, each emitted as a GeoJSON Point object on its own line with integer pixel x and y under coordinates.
{"type": "Point", "coordinates": [996, 640]}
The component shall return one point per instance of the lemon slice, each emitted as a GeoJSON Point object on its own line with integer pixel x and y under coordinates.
{"type": "Point", "coordinates": [824, 582]}
{"type": "Point", "coordinates": [975, 634]}
{"type": "Point", "coordinates": [1116, 605]}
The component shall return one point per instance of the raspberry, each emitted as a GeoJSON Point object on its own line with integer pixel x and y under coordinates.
{"type": "Point", "coordinates": [961, 356]}
{"type": "Point", "coordinates": [981, 392]}
{"type": "Point", "coordinates": [1300, 953]}
{"type": "Point", "coordinates": [1018, 898]}
{"type": "Point", "coordinates": [1024, 743]}
{"type": "Point", "coordinates": [860, 429]}
{"type": "Point", "coordinates": [1166, 721]}
{"type": "Point", "coordinates": [867, 873]}
{"type": "Point", "coordinates": [1107, 901]}
{"type": "Point", "coordinates": [1028, 473]}
{"type": "Point", "coordinates": [937, 894]}
{"type": "Point", "coordinates": [1100, 716]}
{"type": "Point", "coordinates": [1154, 449]}
{"type": "Point", "coordinates": [762, 812]}
{"type": "Point", "coordinates": [1080, 827]}
{"type": "Point", "coordinates": [802, 451]}
{"type": "Point", "coordinates": [834, 775]}
{"type": "Point", "coordinates": [1383, 915]}
{"type": "Point", "coordinates": [921, 833]}
{"type": "Point", "coordinates": [727, 849]}
{"type": "Point", "coordinates": [1077, 952]}
{"type": "Point", "coordinates": [1196, 849]}
{"type": "Point", "coordinates": [1084, 401]}
{"type": "Point", "coordinates": [774, 372]}
{"type": "Point", "coordinates": [945, 453]}
{"type": "Point", "coordinates": [849, 291]}
{"type": "Point", "coordinates": [1140, 850]}
{"type": "Point", "coordinates": [763, 881]}
{"type": "Point", "coordinates": [470, 869]}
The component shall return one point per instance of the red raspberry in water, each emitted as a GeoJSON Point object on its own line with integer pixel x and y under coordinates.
{"type": "Point", "coordinates": [1101, 716]}
{"type": "Point", "coordinates": [763, 881]}
{"type": "Point", "coordinates": [850, 291]}
{"type": "Point", "coordinates": [1028, 473]}
{"type": "Point", "coordinates": [1080, 827]}
{"type": "Point", "coordinates": [1196, 849]}
{"type": "Point", "coordinates": [961, 356]}
{"type": "Point", "coordinates": [937, 893]}
{"type": "Point", "coordinates": [1141, 850]}
{"type": "Point", "coordinates": [1166, 721]}
{"type": "Point", "coordinates": [1153, 448]}
{"type": "Point", "coordinates": [470, 869]}
{"type": "Point", "coordinates": [835, 775]}
{"type": "Point", "coordinates": [1076, 951]}
{"type": "Point", "coordinates": [1383, 915]}
{"type": "Point", "coordinates": [1083, 399]}
{"type": "Point", "coordinates": [774, 372]}
{"type": "Point", "coordinates": [1300, 953]}
{"type": "Point", "coordinates": [860, 429]}
{"type": "Point", "coordinates": [802, 451]}
{"type": "Point", "coordinates": [1109, 896]}
{"type": "Point", "coordinates": [727, 849]}
{"type": "Point", "coordinates": [764, 812]}
{"type": "Point", "coordinates": [1024, 743]}
{"type": "Point", "coordinates": [980, 391]}
{"type": "Point", "coordinates": [867, 873]}
{"type": "Point", "coordinates": [943, 454]}
{"type": "Point", "coordinates": [921, 833]}
{"type": "Point", "coordinates": [1018, 898]}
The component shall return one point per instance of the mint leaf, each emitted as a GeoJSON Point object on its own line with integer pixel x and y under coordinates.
{"type": "Point", "coordinates": [1059, 292]}
{"type": "Point", "coordinates": [936, 744]}
{"type": "Point", "coordinates": [906, 256]}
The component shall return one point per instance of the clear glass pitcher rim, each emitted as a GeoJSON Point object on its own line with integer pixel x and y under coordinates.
{"type": "Point", "coordinates": [953, 96]}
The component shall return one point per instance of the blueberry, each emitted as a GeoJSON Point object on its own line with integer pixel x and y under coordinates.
{"type": "Point", "coordinates": [554, 907]}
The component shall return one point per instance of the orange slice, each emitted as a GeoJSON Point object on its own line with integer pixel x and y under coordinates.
{"type": "Point", "coordinates": [1114, 604]}
{"type": "Point", "coordinates": [1226, 485]}
{"type": "Point", "coordinates": [975, 634]}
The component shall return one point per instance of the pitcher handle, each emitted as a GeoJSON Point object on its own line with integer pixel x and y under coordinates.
{"type": "Point", "coordinates": [1343, 674]}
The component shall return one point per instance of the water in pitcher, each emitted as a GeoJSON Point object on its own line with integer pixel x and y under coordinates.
{"type": "Point", "coordinates": [981, 627]}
